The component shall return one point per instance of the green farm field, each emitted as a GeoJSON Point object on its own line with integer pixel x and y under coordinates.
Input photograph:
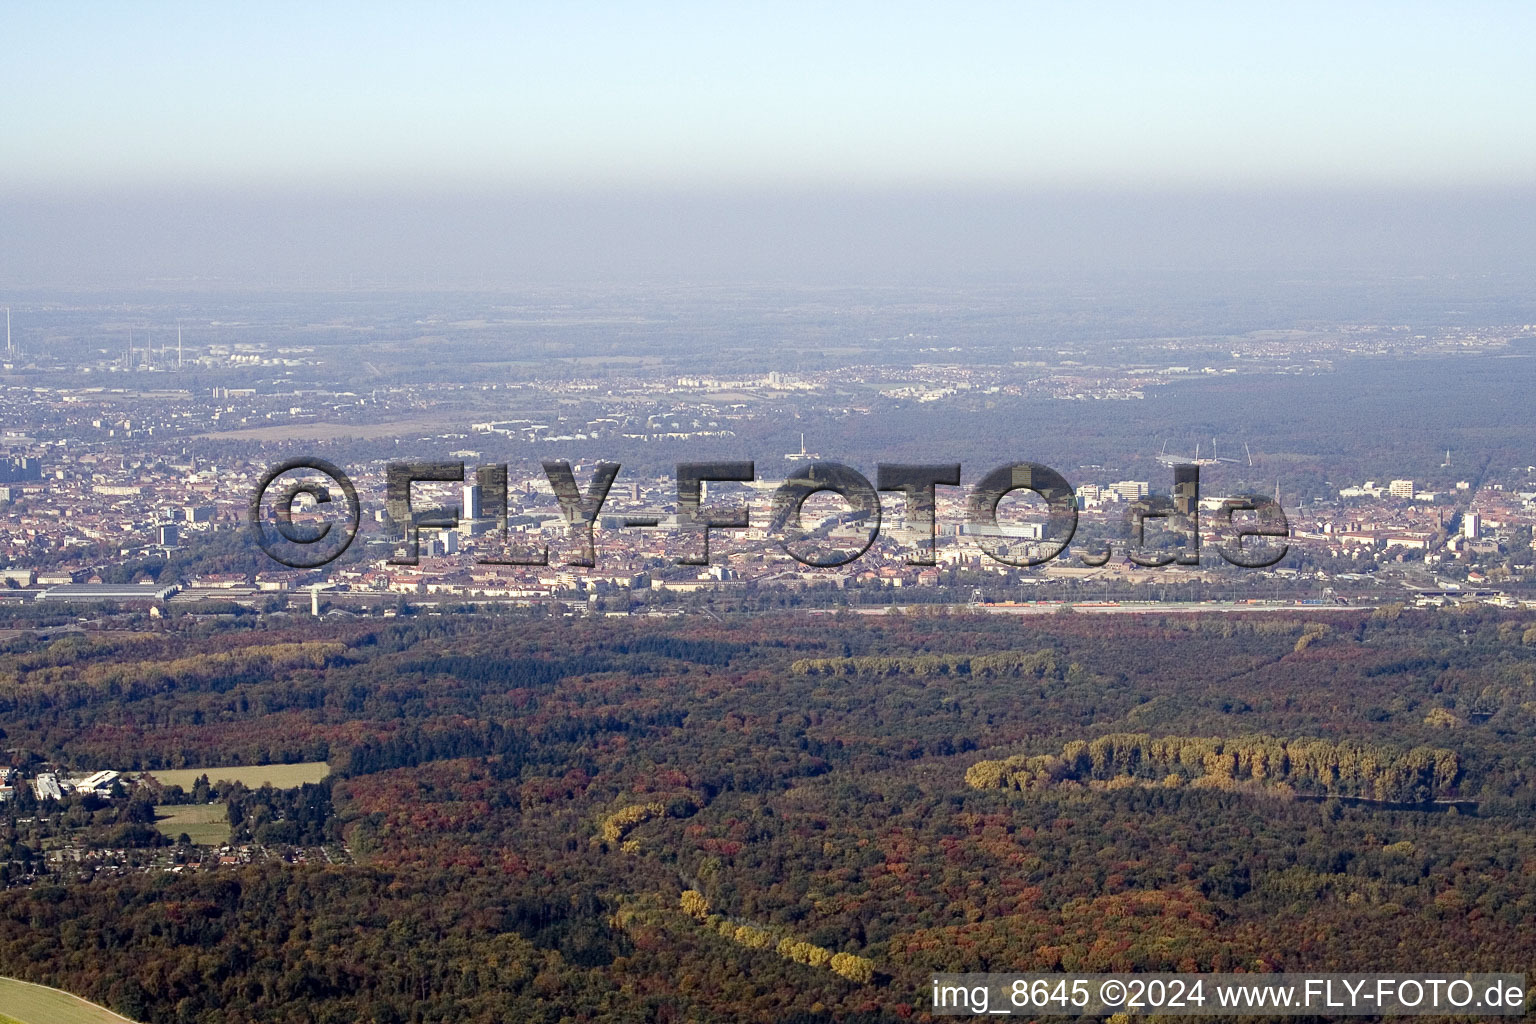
{"type": "Point", "coordinates": [281, 776]}
{"type": "Point", "coordinates": [204, 824]}
{"type": "Point", "coordinates": [24, 1003]}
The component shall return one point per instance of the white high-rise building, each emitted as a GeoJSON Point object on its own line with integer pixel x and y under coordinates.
{"type": "Point", "coordinates": [1471, 523]}
{"type": "Point", "coordinates": [471, 509]}
{"type": "Point", "coordinates": [1401, 488]}
{"type": "Point", "coordinates": [1128, 490]}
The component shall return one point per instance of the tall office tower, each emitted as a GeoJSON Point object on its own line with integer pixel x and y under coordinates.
{"type": "Point", "coordinates": [1186, 490]}
{"type": "Point", "coordinates": [471, 509]}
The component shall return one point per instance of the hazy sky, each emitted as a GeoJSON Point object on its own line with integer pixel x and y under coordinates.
{"type": "Point", "coordinates": [1139, 94]}
{"type": "Point", "coordinates": [319, 144]}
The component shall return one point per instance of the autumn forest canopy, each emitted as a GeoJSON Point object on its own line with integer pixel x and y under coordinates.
{"type": "Point", "coordinates": [784, 818]}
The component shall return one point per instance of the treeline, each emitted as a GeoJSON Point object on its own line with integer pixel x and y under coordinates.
{"type": "Point", "coordinates": [71, 686]}
{"type": "Point", "coordinates": [858, 969]}
{"type": "Point", "coordinates": [1038, 663]}
{"type": "Point", "coordinates": [281, 817]}
{"type": "Point", "coordinates": [508, 672]}
{"type": "Point", "coordinates": [618, 824]}
{"type": "Point", "coordinates": [700, 652]}
{"type": "Point", "coordinates": [513, 746]}
{"type": "Point", "coordinates": [1345, 768]}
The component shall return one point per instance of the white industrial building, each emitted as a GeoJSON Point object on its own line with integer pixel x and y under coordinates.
{"type": "Point", "coordinates": [46, 786]}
